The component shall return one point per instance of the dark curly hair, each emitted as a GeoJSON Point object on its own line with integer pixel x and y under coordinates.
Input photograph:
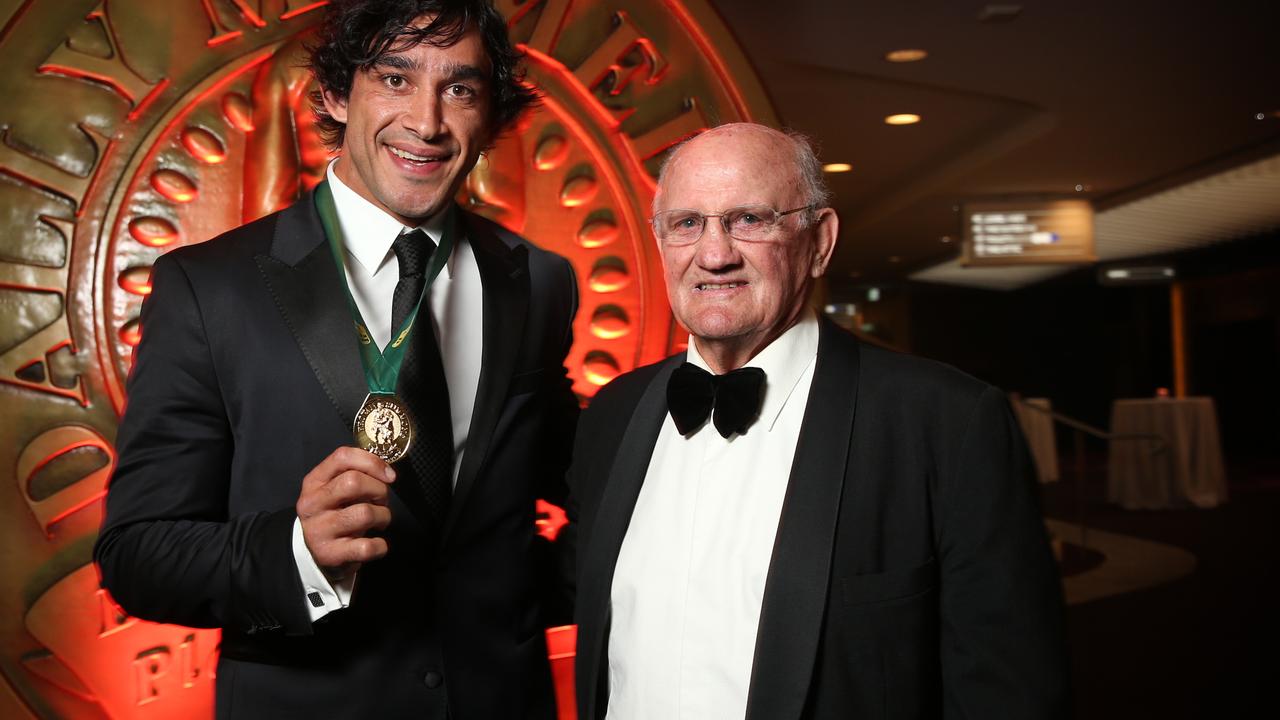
{"type": "Point", "coordinates": [356, 34]}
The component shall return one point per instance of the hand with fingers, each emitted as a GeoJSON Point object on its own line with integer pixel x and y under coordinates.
{"type": "Point", "coordinates": [343, 500]}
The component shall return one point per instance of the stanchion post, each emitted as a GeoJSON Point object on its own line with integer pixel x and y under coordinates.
{"type": "Point", "coordinates": [1178, 333]}
{"type": "Point", "coordinates": [1080, 473]}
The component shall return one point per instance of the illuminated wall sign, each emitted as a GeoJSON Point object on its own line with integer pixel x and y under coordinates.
{"type": "Point", "coordinates": [1137, 275]}
{"type": "Point", "coordinates": [1028, 233]}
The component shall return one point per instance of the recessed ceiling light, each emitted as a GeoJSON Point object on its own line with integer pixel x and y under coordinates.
{"type": "Point", "coordinates": [837, 167]}
{"type": "Point", "coordinates": [998, 13]}
{"type": "Point", "coordinates": [906, 55]}
{"type": "Point", "coordinates": [902, 119]}
{"type": "Point", "coordinates": [945, 238]}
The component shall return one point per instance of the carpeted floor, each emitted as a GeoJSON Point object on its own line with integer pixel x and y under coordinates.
{"type": "Point", "coordinates": [1155, 636]}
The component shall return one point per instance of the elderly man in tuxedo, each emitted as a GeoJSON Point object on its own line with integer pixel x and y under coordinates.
{"type": "Point", "coordinates": [341, 415]}
{"type": "Point", "coordinates": [783, 522]}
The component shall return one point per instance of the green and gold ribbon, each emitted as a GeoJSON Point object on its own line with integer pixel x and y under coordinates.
{"type": "Point", "coordinates": [381, 367]}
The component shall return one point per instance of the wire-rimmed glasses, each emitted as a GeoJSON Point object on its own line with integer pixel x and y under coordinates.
{"type": "Point", "coordinates": [748, 223]}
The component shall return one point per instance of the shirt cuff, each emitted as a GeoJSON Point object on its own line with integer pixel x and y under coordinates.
{"type": "Point", "coordinates": [322, 596]}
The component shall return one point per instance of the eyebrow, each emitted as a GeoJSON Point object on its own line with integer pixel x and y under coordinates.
{"type": "Point", "coordinates": [466, 72]}
{"type": "Point", "coordinates": [453, 71]}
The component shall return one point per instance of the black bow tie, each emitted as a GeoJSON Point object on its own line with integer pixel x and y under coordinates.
{"type": "Point", "coordinates": [692, 392]}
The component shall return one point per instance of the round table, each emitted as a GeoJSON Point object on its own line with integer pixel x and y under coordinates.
{"type": "Point", "coordinates": [1188, 471]}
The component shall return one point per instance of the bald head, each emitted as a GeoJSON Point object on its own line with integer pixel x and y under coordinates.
{"type": "Point", "coordinates": [790, 150]}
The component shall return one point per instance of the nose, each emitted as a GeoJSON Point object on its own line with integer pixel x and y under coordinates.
{"type": "Point", "coordinates": [716, 250]}
{"type": "Point", "coordinates": [424, 115]}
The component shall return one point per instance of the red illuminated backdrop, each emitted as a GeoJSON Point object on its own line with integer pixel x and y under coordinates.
{"type": "Point", "coordinates": [134, 127]}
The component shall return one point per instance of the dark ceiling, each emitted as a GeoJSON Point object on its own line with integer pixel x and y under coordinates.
{"type": "Point", "coordinates": [1121, 97]}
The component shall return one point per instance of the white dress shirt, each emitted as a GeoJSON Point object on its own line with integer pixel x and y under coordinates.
{"type": "Point", "coordinates": [691, 572]}
{"type": "Point", "coordinates": [456, 311]}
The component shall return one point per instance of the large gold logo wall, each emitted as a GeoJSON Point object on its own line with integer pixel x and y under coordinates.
{"type": "Point", "coordinates": [131, 127]}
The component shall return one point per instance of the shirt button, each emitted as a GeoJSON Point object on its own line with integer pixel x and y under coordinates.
{"type": "Point", "coordinates": [433, 680]}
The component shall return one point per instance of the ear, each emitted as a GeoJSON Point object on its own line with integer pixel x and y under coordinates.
{"type": "Point", "coordinates": [335, 106]}
{"type": "Point", "coordinates": [825, 232]}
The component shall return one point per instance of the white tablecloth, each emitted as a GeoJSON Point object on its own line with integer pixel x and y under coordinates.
{"type": "Point", "coordinates": [1188, 472]}
{"type": "Point", "coordinates": [1038, 428]}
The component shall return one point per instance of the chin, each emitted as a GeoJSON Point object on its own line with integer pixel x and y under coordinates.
{"type": "Point", "coordinates": [417, 210]}
{"type": "Point", "coordinates": [716, 328]}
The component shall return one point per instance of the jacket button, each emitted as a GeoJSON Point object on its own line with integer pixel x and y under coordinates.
{"type": "Point", "coordinates": [433, 680]}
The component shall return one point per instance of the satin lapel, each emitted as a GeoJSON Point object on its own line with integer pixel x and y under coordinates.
{"type": "Point", "coordinates": [626, 475]}
{"type": "Point", "coordinates": [504, 277]}
{"type": "Point", "coordinates": [795, 593]}
{"type": "Point", "coordinates": [303, 280]}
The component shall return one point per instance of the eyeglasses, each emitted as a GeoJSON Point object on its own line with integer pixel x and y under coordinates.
{"type": "Point", "coordinates": [748, 223]}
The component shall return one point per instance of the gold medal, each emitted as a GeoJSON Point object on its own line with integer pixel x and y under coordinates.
{"type": "Point", "coordinates": [383, 427]}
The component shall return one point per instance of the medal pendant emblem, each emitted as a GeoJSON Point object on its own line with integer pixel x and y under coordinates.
{"type": "Point", "coordinates": [383, 427]}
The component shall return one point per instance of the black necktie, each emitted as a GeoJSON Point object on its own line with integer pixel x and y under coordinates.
{"type": "Point", "coordinates": [422, 383]}
{"type": "Point", "coordinates": [413, 250]}
{"type": "Point", "coordinates": [692, 393]}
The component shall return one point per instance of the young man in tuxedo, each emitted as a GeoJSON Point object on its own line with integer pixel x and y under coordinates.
{"type": "Point", "coordinates": [341, 415]}
{"type": "Point", "coordinates": [784, 522]}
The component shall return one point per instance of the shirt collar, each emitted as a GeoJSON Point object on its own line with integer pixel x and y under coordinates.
{"type": "Point", "coordinates": [368, 231]}
{"type": "Point", "coordinates": [784, 362]}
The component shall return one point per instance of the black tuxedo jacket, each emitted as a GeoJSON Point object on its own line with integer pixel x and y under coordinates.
{"type": "Point", "coordinates": [910, 577]}
{"type": "Point", "coordinates": [247, 376]}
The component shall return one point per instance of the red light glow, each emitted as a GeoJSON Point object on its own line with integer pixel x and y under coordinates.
{"type": "Point", "coordinates": [136, 280]}
{"type": "Point", "coordinates": [600, 368]}
{"type": "Point", "coordinates": [203, 145]}
{"type": "Point", "coordinates": [305, 9]}
{"type": "Point", "coordinates": [131, 333]}
{"type": "Point", "coordinates": [153, 231]}
{"type": "Point", "coordinates": [173, 185]}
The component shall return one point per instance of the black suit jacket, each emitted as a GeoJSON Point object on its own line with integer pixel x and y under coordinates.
{"type": "Point", "coordinates": [248, 376]}
{"type": "Point", "coordinates": [910, 577]}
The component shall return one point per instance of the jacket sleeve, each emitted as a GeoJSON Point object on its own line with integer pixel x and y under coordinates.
{"type": "Point", "coordinates": [1001, 605]}
{"type": "Point", "coordinates": [557, 592]}
{"type": "Point", "coordinates": [168, 551]}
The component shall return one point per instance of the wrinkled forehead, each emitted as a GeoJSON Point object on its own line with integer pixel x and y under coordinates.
{"type": "Point", "coordinates": [723, 168]}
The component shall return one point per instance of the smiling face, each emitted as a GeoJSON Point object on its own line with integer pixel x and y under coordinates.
{"type": "Point", "coordinates": [736, 297]}
{"type": "Point", "coordinates": [415, 124]}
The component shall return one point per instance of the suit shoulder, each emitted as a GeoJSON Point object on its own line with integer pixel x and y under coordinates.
{"type": "Point", "coordinates": [607, 416]}
{"type": "Point", "coordinates": [231, 247]}
{"type": "Point", "coordinates": [538, 257]}
{"type": "Point", "coordinates": [625, 390]}
{"type": "Point", "coordinates": [914, 377]}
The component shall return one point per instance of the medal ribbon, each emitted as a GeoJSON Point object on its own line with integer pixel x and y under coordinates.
{"type": "Point", "coordinates": [381, 367]}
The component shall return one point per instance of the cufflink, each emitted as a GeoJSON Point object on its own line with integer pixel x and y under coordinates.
{"type": "Point", "coordinates": [316, 600]}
